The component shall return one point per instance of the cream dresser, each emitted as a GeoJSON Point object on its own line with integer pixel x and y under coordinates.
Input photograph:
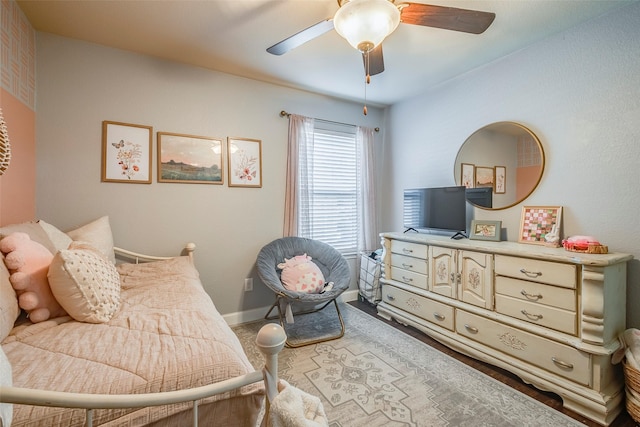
{"type": "Point", "coordinates": [550, 316]}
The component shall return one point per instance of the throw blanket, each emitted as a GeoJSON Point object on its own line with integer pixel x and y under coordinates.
{"type": "Point", "coordinates": [630, 348]}
{"type": "Point", "coordinates": [293, 407]}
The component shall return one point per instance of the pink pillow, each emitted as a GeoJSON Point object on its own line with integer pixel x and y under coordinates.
{"type": "Point", "coordinates": [300, 274]}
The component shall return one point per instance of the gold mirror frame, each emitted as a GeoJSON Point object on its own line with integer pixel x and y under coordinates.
{"type": "Point", "coordinates": [5, 148]}
{"type": "Point", "coordinates": [508, 148]}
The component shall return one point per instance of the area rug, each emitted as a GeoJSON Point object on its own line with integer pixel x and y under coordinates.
{"type": "Point", "coordinates": [378, 376]}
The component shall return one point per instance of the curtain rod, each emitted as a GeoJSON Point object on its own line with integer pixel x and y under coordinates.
{"type": "Point", "coordinates": [285, 114]}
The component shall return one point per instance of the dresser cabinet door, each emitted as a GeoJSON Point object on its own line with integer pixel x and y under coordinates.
{"type": "Point", "coordinates": [475, 283]}
{"type": "Point", "coordinates": [443, 271]}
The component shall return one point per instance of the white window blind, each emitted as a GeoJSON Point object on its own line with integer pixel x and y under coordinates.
{"type": "Point", "coordinates": [333, 185]}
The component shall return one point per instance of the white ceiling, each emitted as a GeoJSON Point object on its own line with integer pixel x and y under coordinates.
{"type": "Point", "coordinates": [231, 36]}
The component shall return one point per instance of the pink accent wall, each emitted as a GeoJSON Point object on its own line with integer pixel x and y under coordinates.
{"type": "Point", "coordinates": [18, 184]}
{"type": "Point", "coordinates": [17, 99]}
{"type": "Point", "coordinates": [525, 177]}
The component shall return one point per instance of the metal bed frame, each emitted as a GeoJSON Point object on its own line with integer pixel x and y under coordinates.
{"type": "Point", "coordinates": [270, 340]}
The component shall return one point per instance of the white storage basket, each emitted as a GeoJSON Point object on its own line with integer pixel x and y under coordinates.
{"type": "Point", "coordinates": [369, 279]}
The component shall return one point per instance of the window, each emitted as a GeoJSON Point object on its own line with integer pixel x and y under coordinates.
{"type": "Point", "coordinates": [328, 204]}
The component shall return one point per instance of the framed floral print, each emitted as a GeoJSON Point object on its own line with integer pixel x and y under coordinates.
{"type": "Point", "coordinates": [501, 180]}
{"type": "Point", "coordinates": [189, 159]}
{"type": "Point", "coordinates": [467, 175]}
{"type": "Point", "coordinates": [126, 152]}
{"type": "Point", "coordinates": [245, 162]}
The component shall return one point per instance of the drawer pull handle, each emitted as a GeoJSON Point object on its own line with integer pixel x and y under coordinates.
{"type": "Point", "coordinates": [530, 296]}
{"type": "Point", "coordinates": [407, 265]}
{"type": "Point", "coordinates": [407, 279]}
{"type": "Point", "coordinates": [533, 274]}
{"type": "Point", "coordinates": [562, 364]}
{"type": "Point", "coordinates": [438, 316]}
{"type": "Point", "coordinates": [407, 251]}
{"type": "Point", "coordinates": [471, 329]}
{"type": "Point", "coordinates": [531, 316]}
{"type": "Point", "coordinates": [391, 298]}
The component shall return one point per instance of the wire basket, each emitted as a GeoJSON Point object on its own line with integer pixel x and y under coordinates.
{"type": "Point", "coordinates": [632, 388]}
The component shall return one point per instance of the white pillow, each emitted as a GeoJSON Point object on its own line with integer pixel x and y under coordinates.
{"type": "Point", "coordinates": [85, 283]}
{"type": "Point", "coordinates": [59, 239]}
{"type": "Point", "coordinates": [98, 234]}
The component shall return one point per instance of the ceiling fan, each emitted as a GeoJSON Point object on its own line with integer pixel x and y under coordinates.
{"type": "Point", "coordinates": [365, 24]}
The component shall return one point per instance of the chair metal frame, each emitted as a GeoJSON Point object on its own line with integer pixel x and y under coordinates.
{"type": "Point", "coordinates": [333, 266]}
{"type": "Point", "coordinates": [307, 342]}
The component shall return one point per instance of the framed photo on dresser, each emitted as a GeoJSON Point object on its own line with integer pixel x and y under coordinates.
{"type": "Point", "coordinates": [538, 221]}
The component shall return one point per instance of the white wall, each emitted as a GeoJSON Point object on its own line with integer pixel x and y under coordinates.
{"type": "Point", "coordinates": [579, 92]}
{"type": "Point", "coordinates": [80, 84]}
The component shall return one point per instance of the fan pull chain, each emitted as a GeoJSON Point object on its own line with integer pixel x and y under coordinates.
{"type": "Point", "coordinates": [367, 80]}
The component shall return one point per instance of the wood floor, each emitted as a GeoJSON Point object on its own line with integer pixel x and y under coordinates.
{"type": "Point", "coordinates": [550, 399]}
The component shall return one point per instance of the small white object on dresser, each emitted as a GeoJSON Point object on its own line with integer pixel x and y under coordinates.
{"type": "Point", "coordinates": [550, 316]}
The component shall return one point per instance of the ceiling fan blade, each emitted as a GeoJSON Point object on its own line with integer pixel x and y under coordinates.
{"type": "Point", "coordinates": [301, 37]}
{"type": "Point", "coordinates": [448, 18]}
{"type": "Point", "coordinates": [376, 61]}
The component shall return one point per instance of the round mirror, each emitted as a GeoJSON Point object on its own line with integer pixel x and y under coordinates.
{"type": "Point", "coordinates": [500, 164]}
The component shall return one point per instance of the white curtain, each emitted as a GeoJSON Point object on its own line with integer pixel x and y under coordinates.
{"type": "Point", "coordinates": [367, 233]}
{"type": "Point", "coordinates": [299, 181]}
{"type": "Point", "coordinates": [300, 139]}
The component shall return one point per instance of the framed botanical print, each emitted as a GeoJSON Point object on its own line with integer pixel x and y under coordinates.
{"type": "Point", "coordinates": [467, 175]}
{"type": "Point", "coordinates": [245, 162]}
{"type": "Point", "coordinates": [126, 152]}
{"type": "Point", "coordinates": [500, 185]}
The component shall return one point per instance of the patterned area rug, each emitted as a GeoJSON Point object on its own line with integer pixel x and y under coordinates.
{"type": "Point", "coordinates": [378, 376]}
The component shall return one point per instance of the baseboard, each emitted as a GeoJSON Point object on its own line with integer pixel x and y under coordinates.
{"type": "Point", "coordinates": [259, 313]}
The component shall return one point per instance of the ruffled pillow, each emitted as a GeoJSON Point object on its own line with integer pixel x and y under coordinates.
{"type": "Point", "coordinates": [9, 309]}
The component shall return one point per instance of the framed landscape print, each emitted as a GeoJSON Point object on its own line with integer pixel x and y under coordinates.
{"type": "Point", "coordinates": [484, 176]}
{"type": "Point", "coordinates": [189, 159]}
{"type": "Point", "coordinates": [245, 162]}
{"type": "Point", "coordinates": [537, 222]}
{"type": "Point", "coordinates": [126, 153]}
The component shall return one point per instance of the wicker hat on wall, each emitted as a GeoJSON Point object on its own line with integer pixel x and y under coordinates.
{"type": "Point", "coordinates": [5, 148]}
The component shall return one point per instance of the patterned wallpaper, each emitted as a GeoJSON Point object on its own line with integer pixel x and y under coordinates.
{"type": "Point", "coordinates": [17, 54]}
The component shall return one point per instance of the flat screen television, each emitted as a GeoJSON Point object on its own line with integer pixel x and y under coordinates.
{"type": "Point", "coordinates": [438, 208]}
{"type": "Point", "coordinates": [481, 196]}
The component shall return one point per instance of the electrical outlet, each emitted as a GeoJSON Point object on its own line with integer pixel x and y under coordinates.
{"type": "Point", "coordinates": [248, 284]}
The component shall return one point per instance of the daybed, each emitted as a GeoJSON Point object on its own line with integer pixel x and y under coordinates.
{"type": "Point", "coordinates": [166, 335]}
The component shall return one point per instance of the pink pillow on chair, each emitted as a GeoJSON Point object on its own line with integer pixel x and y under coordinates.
{"type": "Point", "coordinates": [300, 274]}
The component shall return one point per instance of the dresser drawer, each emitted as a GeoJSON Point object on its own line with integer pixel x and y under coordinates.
{"type": "Point", "coordinates": [539, 293]}
{"type": "Point", "coordinates": [415, 250]}
{"type": "Point", "coordinates": [558, 358]}
{"type": "Point", "coordinates": [553, 273]}
{"type": "Point", "coordinates": [409, 277]}
{"type": "Point", "coordinates": [416, 265]}
{"type": "Point", "coordinates": [417, 305]}
{"type": "Point", "coordinates": [548, 317]}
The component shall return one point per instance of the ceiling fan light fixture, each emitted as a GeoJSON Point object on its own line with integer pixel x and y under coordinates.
{"type": "Point", "coordinates": [366, 23]}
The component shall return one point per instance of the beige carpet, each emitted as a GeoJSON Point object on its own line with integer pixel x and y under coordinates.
{"type": "Point", "coordinates": [378, 376]}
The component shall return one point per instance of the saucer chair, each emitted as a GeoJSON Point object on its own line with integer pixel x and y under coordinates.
{"type": "Point", "coordinates": [334, 268]}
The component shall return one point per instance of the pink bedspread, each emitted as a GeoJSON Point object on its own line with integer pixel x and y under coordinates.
{"type": "Point", "coordinates": [167, 336]}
